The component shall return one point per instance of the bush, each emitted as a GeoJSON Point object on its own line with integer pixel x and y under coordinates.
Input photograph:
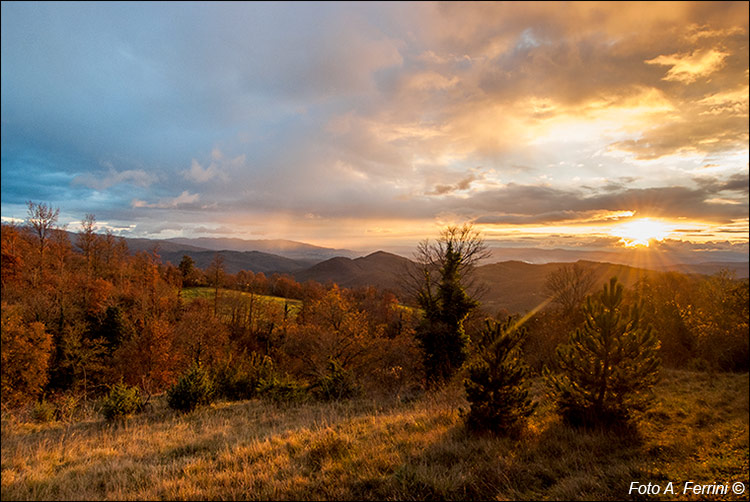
{"type": "Point", "coordinates": [194, 388]}
{"type": "Point", "coordinates": [121, 402]}
{"type": "Point", "coordinates": [336, 384]}
{"type": "Point", "coordinates": [43, 411]}
{"type": "Point", "coordinates": [609, 366]}
{"type": "Point", "coordinates": [243, 379]}
{"type": "Point", "coordinates": [496, 386]}
{"type": "Point", "coordinates": [284, 390]}
{"type": "Point", "coordinates": [67, 406]}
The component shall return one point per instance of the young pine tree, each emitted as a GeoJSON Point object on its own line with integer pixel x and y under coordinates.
{"type": "Point", "coordinates": [496, 385]}
{"type": "Point", "coordinates": [608, 366]}
{"type": "Point", "coordinates": [193, 389]}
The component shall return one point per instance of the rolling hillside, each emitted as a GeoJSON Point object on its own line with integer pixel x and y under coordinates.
{"type": "Point", "coordinates": [519, 287]}
{"type": "Point", "coordinates": [234, 261]}
{"type": "Point", "coordinates": [512, 285]}
{"type": "Point", "coordinates": [288, 249]}
{"type": "Point", "coordinates": [379, 269]}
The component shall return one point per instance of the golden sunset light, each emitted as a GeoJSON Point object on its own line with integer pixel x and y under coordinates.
{"type": "Point", "coordinates": [641, 232]}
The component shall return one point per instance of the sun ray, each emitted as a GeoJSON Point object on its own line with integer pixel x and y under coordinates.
{"type": "Point", "coordinates": [641, 232]}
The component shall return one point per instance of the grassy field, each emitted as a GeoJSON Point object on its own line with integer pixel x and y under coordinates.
{"type": "Point", "coordinates": [208, 294]}
{"type": "Point", "coordinates": [697, 431]}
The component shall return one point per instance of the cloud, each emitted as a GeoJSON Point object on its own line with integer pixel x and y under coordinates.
{"type": "Point", "coordinates": [687, 68]}
{"type": "Point", "coordinates": [184, 199]}
{"type": "Point", "coordinates": [528, 204]}
{"type": "Point", "coordinates": [200, 175]}
{"type": "Point", "coordinates": [461, 185]}
{"type": "Point", "coordinates": [219, 168]}
{"type": "Point", "coordinates": [137, 177]}
{"type": "Point", "coordinates": [712, 134]}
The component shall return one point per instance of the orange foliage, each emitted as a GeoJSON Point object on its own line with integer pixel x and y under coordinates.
{"type": "Point", "coordinates": [26, 349]}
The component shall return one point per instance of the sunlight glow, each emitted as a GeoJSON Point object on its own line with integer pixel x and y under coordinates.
{"type": "Point", "coordinates": [641, 232]}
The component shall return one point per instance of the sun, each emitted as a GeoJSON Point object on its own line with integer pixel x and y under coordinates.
{"type": "Point", "coordinates": [641, 232]}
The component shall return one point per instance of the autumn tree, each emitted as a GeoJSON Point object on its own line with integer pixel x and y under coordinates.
{"type": "Point", "coordinates": [190, 274]}
{"type": "Point", "coordinates": [440, 286]}
{"type": "Point", "coordinates": [148, 358]}
{"type": "Point", "coordinates": [608, 367]}
{"type": "Point", "coordinates": [82, 357]}
{"type": "Point", "coordinates": [668, 302]}
{"type": "Point", "coordinates": [87, 240]}
{"type": "Point", "coordinates": [110, 255]}
{"type": "Point", "coordinates": [718, 319]}
{"type": "Point", "coordinates": [41, 220]}
{"type": "Point", "coordinates": [13, 246]}
{"type": "Point", "coordinates": [26, 349]}
{"type": "Point", "coordinates": [199, 336]}
{"type": "Point", "coordinates": [215, 274]}
{"type": "Point", "coordinates": [330, 328]}
{"type": "Point", "coordinates": [568, 287]}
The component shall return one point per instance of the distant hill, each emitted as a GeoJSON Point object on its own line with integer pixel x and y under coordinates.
{"type": "Point", "coordinates": [234, 261]}
{"type": "Point", "coordinates": [519, 287]}
{"type": "Point", "coordinates": [136, 244]}
{"type": "Point", "coordinates": [707, 262]}
{"type": "Point", "coordinates": [514, 285]}
{"type": "Point", "coordinates": [379, 269]}
{"type": "Point", "coordinates": [741, 270]}
{"type": "Point", "coordinates": [288, 249]}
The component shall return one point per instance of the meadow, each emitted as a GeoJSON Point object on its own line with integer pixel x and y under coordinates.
{"type": "Point", "coordinates": [398, 449]}
{"type": "Point", "coordinates": [207, 294]}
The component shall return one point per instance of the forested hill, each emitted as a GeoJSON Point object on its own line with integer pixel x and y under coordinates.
{"type": "Point", "coordinates": [517, 286]}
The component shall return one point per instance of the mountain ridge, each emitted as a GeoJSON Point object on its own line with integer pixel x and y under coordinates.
{"type": "Point", "coordinates": [282, 247]}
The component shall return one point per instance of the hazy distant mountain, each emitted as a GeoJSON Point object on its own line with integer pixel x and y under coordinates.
{"type": "Point", "coordinates": [136, 244]}
{"type": "Point", "coordinates": [740, 270]}
{"type": "Point", "coordinates": [636, 257]}
{"type": "Point", "coordinates": [234, 261]}
{"type": "Point", "coordinates": [379, 269]}
{"type": "Point", "coordinates": [289, 249]}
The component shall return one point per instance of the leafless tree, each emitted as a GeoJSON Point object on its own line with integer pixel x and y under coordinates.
{"type": "Point", "coordinates": [87, 239]}
{"type": "Point", "coordinates": [569, 285]}
{"type": "Point", "coordinates": [430, 258]}
{"type": "Point", "coordinates": [215, 274]}
{"type": "Point", "coordinates": [42, 219]}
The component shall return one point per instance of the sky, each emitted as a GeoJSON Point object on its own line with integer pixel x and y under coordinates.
{"type": "Point", "coordinates": [368, 125]}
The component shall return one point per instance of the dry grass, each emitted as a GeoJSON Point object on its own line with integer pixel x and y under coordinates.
{"type": "Point", "coordinates": [697, 431]}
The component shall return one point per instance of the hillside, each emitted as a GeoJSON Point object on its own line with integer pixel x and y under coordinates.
{"type": "Point", "coordinates": [385, 450]}
{"type": "Point", "coordinates": [379, 269]}
{"type": "Point", "coordinates": [513, 285]}
{"type": "Point", "coordinates": [288, 249]}
{"type": "Point", "coordinates": [741, 270]}
{"type": "Point", "coordinates": [519, 287]}
{"type": "Point", "coordinates": [666, 257]}
{"type": "Point", "coordinates": [234, 261]}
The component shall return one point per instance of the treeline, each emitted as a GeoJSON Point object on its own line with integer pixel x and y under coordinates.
{"type": "Point", "coordinates": [701, 321]}
{"type": "Point", "coordinates": [79, 317]}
